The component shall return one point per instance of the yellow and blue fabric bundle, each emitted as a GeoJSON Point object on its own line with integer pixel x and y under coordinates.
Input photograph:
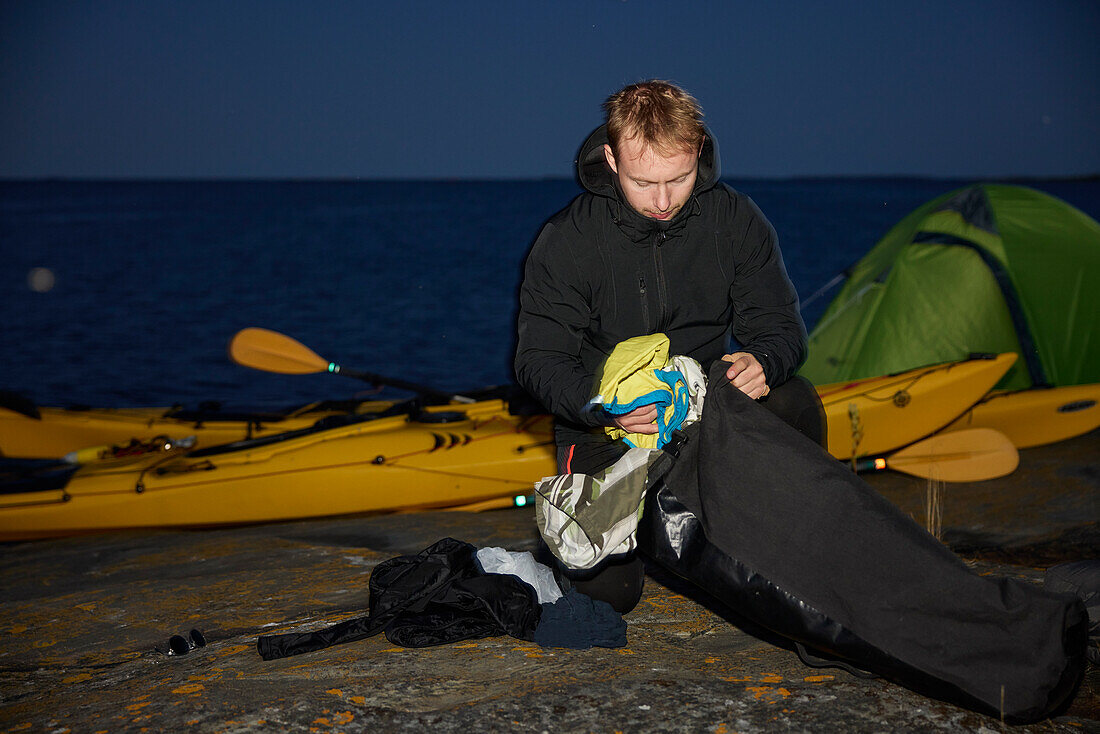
{"type": "Point", "coordinates": [639, 372]}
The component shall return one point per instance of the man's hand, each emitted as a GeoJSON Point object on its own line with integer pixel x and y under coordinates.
{"type": "Point", "coordinates": [642, 419]}
{"type": "Point", "coordinates": [746, 374]}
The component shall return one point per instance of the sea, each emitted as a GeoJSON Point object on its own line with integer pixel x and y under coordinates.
{"type": "Point", "coordinates": [126, 293]}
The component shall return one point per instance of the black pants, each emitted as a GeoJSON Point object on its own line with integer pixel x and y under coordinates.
{"type": "Point", "coordinates": [618, 580]}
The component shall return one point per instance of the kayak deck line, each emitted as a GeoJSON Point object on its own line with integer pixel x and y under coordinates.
{"type": "Point", "coordinates": [883, 382]}
{"type": "Point", "coordinates": [875, 382]}
{"type": "Point", "coordinates": [392, 461]}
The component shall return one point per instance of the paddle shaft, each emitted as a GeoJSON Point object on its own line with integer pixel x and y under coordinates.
{"type": "Point", "coordinates": [394, 382]}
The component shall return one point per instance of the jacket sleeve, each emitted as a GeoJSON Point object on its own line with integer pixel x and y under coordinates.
{"type": "Point", "coordinates": [553, 314]}
{"type": "Point", "coordinates": [766, 319]}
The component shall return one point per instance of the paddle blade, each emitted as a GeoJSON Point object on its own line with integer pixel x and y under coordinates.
{"type": "Point", "coordinates": [972, 455]}
{"type": "Point", "coordinates": [270, 351]}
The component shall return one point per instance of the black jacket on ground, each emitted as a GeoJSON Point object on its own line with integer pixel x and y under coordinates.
{"type": "Point", "coordinates": [600, 273]}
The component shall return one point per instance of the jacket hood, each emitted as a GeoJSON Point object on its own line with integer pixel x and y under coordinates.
{"type": "Point", "coordinates": [597, 177]}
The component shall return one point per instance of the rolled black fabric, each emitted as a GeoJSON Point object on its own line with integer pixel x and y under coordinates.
{"type": "Point", "coordinates": [1082, 579]}
{"type": "Point", "coordinates": [434, 597]}
{"type": "Point", "coordinates": [771, 524]}
{"type": "Point", "coordinates": [489, 605]}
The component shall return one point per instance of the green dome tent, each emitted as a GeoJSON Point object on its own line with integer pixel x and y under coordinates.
{"type": "Point", "coordinates": [987, 268]}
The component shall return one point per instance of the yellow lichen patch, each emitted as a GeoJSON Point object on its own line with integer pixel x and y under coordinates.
{"type": "Point", "coordinates": [737, 679]}
{"type": "Point", "coordinates": [189, 688]}
{"type": "Point", "coordinates": [135, 707]}
{"type": "Point", "coordinates": [818, 678]}
{"type": "Point", "coordinates": [17, 629]}
{"type": "Point", "coordinates": [341, 718]}
{"type": "Point", "coordinates": [359, 700]}
{"type": "Point", "coordinates": [77, 678]}
{"type": "Point", "coordinates": [768, 693]}
{"type": "Point", "coordinates": [234, 649]}
{"type": "Point", "coordinates": [529, 648]}
{"type": "Point", "coordinates": [626, 651]}
{"type": "Point", "coordinates": [758, 691]}
{"type": "Point", "coordinates": [771, 678]}
{"type": "Point", "coordinates": [87, 607]}
{"type": "Point", "coordinates": [720, 729]}
{"type": "Point", "coordinates": [465, 646]}
{"type": "Point", "coordinates": [710, 660]}
{"type": "Point", "coordinates": [44, 643]}
{"type": "Point", "coordinates": [334, 692]}
{"type": "Point", "coordinates": [302, 666]}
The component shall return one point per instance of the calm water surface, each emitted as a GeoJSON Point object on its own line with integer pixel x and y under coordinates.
{"type": "Point", "coordinates": [411, 279]}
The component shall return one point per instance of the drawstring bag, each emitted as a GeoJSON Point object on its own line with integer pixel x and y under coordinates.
{"type": "Point", "coordinates": [584, 519]}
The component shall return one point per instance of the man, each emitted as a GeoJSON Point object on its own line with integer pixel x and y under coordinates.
{"type": "Point", "coordinates": [763, 520]}
{"type": "Point", "coordinates": [655, 244]}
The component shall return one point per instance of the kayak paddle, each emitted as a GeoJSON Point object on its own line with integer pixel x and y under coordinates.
{"type": "Point", "coordinates": [970, 455]}
{"type": "Point", "coordinates": [270, 351]}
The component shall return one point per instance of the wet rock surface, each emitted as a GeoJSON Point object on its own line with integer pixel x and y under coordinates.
{"type": "Point", "coordinates": [80, 617]}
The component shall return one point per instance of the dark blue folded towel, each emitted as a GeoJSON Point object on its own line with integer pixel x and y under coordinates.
{"type": "Point", "coordinates": [580, 622]}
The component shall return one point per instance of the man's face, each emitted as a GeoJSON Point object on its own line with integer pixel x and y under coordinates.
{"type": "Point", "coordinates": [656, 186]}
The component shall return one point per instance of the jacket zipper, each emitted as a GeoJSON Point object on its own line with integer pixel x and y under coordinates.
{"type": "Point", "coordinates": [645, 300]}
{"type": "Point", "coordinates": [662, 288]}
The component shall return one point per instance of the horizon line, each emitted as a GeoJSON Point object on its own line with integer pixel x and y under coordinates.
{"type": "Point", "coordinates": [522, 179]}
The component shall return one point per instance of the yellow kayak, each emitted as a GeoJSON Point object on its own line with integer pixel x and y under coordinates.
{"type": "Point", "coordinates": [1036, 416]}
{"type": "Point", "coordinates": [53, 432]}
{"type": "Point", "coordinates": [443, 456]}
{"type": "Point", "coordinates": [881, 414]}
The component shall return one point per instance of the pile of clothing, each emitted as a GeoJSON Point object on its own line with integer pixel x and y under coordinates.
{"type": "Point", "coordinates": [451, 591]}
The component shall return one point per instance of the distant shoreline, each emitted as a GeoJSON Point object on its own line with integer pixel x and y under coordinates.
{"type": "Point", "coordinates": [1091, 177]}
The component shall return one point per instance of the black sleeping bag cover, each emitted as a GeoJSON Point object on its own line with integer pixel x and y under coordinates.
{"type": "Point", "coordinates": [790, 538]}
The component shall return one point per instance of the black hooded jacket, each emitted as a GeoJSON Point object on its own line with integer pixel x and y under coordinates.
{"type": "Point", "coordinates": [600, 273]}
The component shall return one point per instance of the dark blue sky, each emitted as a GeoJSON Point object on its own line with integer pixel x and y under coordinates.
{"type": "Point", "coordinates": [509, 88]}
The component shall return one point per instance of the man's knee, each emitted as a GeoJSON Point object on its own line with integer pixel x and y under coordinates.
{"type": "Point", "coordinates": [618, 581]}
